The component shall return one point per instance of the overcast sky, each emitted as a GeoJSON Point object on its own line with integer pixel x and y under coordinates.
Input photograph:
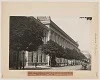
{"type": "Point", "coordinates": [76, 28]}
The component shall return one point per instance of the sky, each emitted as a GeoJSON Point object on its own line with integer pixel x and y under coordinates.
{"type": "Point", "coordinates": [77, 28]}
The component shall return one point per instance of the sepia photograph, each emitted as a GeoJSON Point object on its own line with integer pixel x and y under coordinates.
{"type": "Point", "coordinates": [38, 43]}
{"type": "Point", "coordinates": [51, 40]}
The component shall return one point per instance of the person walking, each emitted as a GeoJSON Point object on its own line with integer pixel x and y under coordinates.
{"type": "Point", "coordinates": [84, 65]}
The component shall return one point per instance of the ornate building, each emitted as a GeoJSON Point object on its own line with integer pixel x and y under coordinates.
{"type": "Point", "coordinates": [54, 33]}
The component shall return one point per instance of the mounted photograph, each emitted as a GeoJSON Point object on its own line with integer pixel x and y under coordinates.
{"type": "Point", "coordinates": [38, 43]}
{"type": "Point", "coordinates": [49, 40]}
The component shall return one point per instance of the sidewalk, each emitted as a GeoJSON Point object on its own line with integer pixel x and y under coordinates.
{"type": "Point", "coordinates": [37, 68]}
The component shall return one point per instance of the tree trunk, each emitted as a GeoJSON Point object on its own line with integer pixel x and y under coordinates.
{"type": "Point", "coordinates": [75, 62]}
{"type": "Point", "coordinates": [36, 59]}
{"type": "Point", "coordinates": [50, 60]}
{"type": "Point", "coordinates": [17, 59]}
{"type": "Point", "coordinates": [64, 61]}
{"type": "Point", "coordinates": [67, 62]}
{"type": "Point", "coordinates": [23, 60]}
{"type": "Point", "coordinates": [71, 62]}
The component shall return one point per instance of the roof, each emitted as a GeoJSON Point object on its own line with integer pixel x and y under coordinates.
{"type": "Point", "coordinates": [46, 20]}
{"type": "Point", "coordinates": [61, 31]}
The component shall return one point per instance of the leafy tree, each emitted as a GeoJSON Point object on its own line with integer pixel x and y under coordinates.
{"type": "Point", "coordinates": [73, 54]}
{"type": "Point", "coordinates": [54, 50]}
{"type": "Point", "coordinates": [81, 56]}
{"type": "Point", "coordinates": [26, 33]}
{"type": "Point", "coordinates": [68, 54]}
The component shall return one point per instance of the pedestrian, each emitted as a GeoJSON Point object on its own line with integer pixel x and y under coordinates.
{"type": "Point", "coordinates": [84, 65]}
{"type": "Point", "coordinates": [36, 65]}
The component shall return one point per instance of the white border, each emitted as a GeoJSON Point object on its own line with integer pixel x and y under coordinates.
{"type": "Point", "coordinates": [52, 1]}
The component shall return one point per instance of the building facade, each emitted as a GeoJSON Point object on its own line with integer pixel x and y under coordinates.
{"type": "Point", "coordinates": [54, 33]}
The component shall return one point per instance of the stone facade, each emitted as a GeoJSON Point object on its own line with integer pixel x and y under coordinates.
{"type": "Point", "coordinates": [57, 35]}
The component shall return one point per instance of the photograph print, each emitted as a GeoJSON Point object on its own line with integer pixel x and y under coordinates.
{"type": "Point", "coordinates": [49, 43]}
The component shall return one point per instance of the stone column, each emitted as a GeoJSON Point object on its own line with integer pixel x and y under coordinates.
{"type": "Point", "coordinates": [45, 37]}
{"type": "Point", "coordinates": [71, 62]}
{"type": "Point", "coordinates": [35, 57]}
{"type": "Point", "coordinates": [54, 36]}
{"type": "Point", "coordinates": [48, 38]}
{"type": "Point", "coordinates": [48, 60]}
{"type": "Point", "coordinates": [26, 54]}
{"type": "Point", "coordinates": [42, 57]}
{"type": "Point", "coordinates": [58, 38]}
{"type": "Point", "coordinates": [38, 56]}
{"type": "Point", "coordinates": [75, 62]}
{"type": "Point", "coordinates": [67, 62]}
{"type": "Point", "coordinates": [49, 35]}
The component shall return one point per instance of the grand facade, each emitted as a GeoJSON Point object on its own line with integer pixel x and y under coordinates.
{"type": "Point", "coordinates": [54, 33]}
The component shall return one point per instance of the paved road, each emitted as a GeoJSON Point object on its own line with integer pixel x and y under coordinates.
{"type": "Point", "coordinates": [77, 67]}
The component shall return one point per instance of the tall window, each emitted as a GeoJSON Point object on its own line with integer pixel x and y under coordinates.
{"type": "Point", "coordinates": [41, 57]}
{"type": "Point", "coordinates": [37, 57]}
{"type": "Point", "coordinates": [32, 57]}
{"type": "Point", "coordinates": [44, 57]}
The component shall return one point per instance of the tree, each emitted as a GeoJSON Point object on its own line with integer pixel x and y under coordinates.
{"type": "Point", "coordinates": [54, 50]}
{"type": "Point", "coordinates": [81, 56]}
{"type": "Point", "coordinates": [25, 34]}
{"type": "Point", "coordinates": [68, 54]}
{"type": "Point", "coordinates": [73, 54]}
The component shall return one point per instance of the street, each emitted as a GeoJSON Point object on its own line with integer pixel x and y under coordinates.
{"type": "Point", "coordinates": [76, 67]}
